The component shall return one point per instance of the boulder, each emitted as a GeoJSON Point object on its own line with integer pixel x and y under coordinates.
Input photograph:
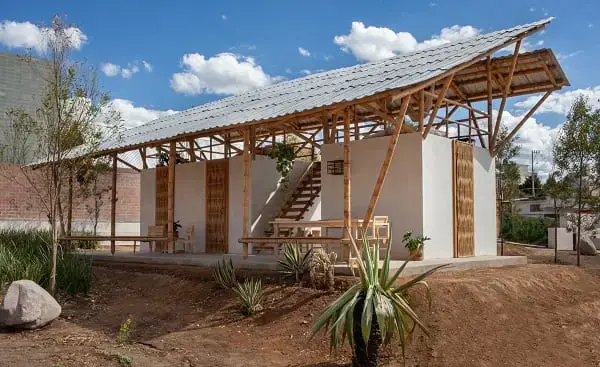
{"type": "Point", "coordinates": [596, 242]}
{"type": "Point", "coordinates": [26, 305]}
{"type": "Point", "coordinates": [586, 247]}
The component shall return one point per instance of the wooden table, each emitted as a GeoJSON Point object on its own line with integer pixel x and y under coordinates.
{"type": "Point", "coordinates": [134, 239]}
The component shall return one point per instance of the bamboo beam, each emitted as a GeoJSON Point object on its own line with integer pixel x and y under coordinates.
{"type": "Point", "coordinates": [505, 94]}
{"type": "Point", "coordinates": [171, 197]}
{"type": "Point", "coordinates": [246, 190]}
{"type": "Point", "coordinates": [421, 110]}
{"type": "Point", "coordinates": [456, 103]}
{"type": "Point", "coordinates": [70, 205]}
{"type": "Point", "coordinates": [523, 120]}
{"type": "Point", "coordinates": [447, 117]}
{"type": "Point", "coordinates": [113, 203]}
{"type": "Point", "coordinates": [489, 103]}
{"type": "Point", "coordinates": [252, 142]}
{"type": "Point", "coordinates": [356, 127]}
{"type": "Point", "coordinates": [347, 175]}
{"type": "Point", "coordinates": [191, 150]}
{"type": "Point", "coordinates": [438, 103]}
{"type": "Point", "coordinates": [472, 116]}
{"type": "Point", "coordinates": [387, 117]}
{"type": "Point", "coordinates": [129, 165]}
{"type": "Point", "coordinates": [143, 156]}
{"type": "Point", "coordinates": [383, 171]}
{"type": "Point", "coordinates": [295, 132]}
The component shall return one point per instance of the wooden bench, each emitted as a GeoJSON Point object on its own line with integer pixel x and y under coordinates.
{"type": "Point", "coordinates": [276, 242]}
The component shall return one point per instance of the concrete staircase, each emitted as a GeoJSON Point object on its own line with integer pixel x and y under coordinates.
{"type": "Point", "coordinates": [303, 197]}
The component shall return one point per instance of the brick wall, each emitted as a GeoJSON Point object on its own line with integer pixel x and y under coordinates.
{"type": "Point", "coordinates": [18, 201]}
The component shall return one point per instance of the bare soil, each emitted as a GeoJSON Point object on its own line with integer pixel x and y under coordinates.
{"type": "Point", "coordinates": [536, 315]}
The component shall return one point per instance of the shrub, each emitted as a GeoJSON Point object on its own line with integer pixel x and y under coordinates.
{"type": "Point", "coordinates": [321, 269]}
{"type": "Point", "coordinates": [294, 263]}
{"type": "Point", "coordinates": [524, 229]}
{"type": "Point", "coordinates": [26, 254]}
{"type": "Point", "coordinates": [126, 331]}
{"type": "Point", "coordinates": [373, 310]}
{"type": "Point", "coordinates": [250, 295]}
{"type": "Point", "coordinates": [224, 273]}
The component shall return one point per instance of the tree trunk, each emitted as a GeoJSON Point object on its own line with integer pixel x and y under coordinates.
{"type": "Point", "coordinates": [365, 355]}
{"type": "Point", "coordinates": [556, 224]}
{"type": "Point", "coordinates": [579, 204]}
{"type": "Point", "coordinates": [52, 281]}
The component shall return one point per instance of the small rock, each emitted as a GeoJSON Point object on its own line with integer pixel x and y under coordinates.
{"type": "Point", "coordinates": [586, 247]}
{"type": "Point", "coordinates": [304, 322]}
{"type": "Point", "coordinates": [26, 305]}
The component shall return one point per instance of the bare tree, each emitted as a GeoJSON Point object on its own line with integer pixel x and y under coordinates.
{"type": "Point", "coordinates": [72, 119]}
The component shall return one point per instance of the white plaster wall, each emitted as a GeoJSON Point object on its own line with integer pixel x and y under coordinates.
{"type": "Point", "coordinates": [147, 202]}
{"type": "Point", "coordinates": [485, 202]}
{"type": "Point", "coordinates": [401, 197]}
{"type": "Point", "coordinates": [564, 237]}
{"type": "Point", "coordinates": [190, 200]}
{"type": "Point", "coordinates": [437, 197]}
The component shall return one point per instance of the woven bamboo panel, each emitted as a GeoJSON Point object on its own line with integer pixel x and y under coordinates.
{"type": "Point", "coordinates": [217, 206]}
{"type": "Point", "coordinates": [162, 201]}
{"type": "Point", "coordinates": [464, 218]}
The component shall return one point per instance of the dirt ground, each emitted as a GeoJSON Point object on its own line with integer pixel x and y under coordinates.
{"type": "Point", "coordinates": [536, 315]}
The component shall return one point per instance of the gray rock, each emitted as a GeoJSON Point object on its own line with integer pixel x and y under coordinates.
{"type": "Point", "coordinates": [586, 247]}
{"type": "Point", "coordinates": [26, 305]}
{"type": "Point", "coordinates": [596, 242]}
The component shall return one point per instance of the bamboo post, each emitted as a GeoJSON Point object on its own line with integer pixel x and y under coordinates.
{"type": "Point", "coordinates": [386, 164]}
{"type": "Point", "coordinates": [347, 174]}
{"type": "Point", "coordinates": [246, 190]}
{"type": "Point", "coordinates": [505, 93]}
{"type": "Point", "coordinates": [489, 103]}
{"type": "Point", "coordinates": [421, 110]}
{"type": "Point", "coordinates": [253, 142]}
{"type": "Point", "coordinates": [70, 206]}
{"type": "Point", "coordinates": [171, 197]}
{"type": "Point", "coordinates": [438, 103]}
{"type": "Point", "coordinates": [113, 203]}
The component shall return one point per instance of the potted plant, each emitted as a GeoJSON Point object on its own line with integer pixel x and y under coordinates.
{"type": "Point", "coordinates": [374, 310]}
{"type": "Point", "coordinates": [176, 227]}
{"type": "Point", "coordinates": [414, 245]}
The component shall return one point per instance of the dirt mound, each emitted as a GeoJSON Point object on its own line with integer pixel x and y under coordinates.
{"type": "Point", "coordinates": [536, 315]}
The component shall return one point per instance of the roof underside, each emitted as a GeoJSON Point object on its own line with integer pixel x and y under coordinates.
{"type": "Point", "coordinates": [535, 71]}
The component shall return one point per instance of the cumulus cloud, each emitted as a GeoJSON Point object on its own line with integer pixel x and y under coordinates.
{"type": "Point", "coordinates": [110, 69]}
{"type": "Point", "coordinates": [28, 35]}
{"type": "Point", "coordinates": [303, 51]}
{"type": "Point", "coordinates": [560, 102]}
{"type": "Point", "coordinates": [378, 43]}
{"type": "Point", "coordinates": [134, 115]}
{"type": "Point", "coordinates": [224, 73]}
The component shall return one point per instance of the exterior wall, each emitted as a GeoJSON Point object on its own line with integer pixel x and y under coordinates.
{"type": "Point", "coordinates": [19, 206]}
{"type": "Point", "coordinates": [564, 237]}
{"type": "Point", "coordinates": [484, 172]}
{"type": "Point", "coordinates": [437, 197]}
{"type": "Point", "coordinates": [266, 198]}
{"type": "Point", "coordinates": [401, 197]}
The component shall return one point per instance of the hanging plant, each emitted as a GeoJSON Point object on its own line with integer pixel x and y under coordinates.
{"type": "Point", "coordinates": [285, 156]}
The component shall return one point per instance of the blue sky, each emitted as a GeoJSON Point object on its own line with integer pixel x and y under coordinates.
{"type": "Point", "coordinates": [264, 38]}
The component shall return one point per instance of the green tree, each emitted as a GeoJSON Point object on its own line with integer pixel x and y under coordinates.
{"type": "Point", "coordinates": [559, 190]}
{"type": "Point", "coordinates": [526, 189]}
{"type": "Point", "coordinates": [577, 156]}
{"type": "Point", "coordinates": [507, 171]}
{"type": "Point", "coordinates": [72, 119]}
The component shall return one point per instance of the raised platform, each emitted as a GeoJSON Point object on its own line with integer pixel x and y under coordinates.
{"type": "Point", "coordinates": [269, 262]}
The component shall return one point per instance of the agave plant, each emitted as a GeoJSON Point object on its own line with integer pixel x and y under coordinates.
{"type": "Point", "coordinates": [224, 273]}
{"type": "Point", "coordinates": [294, 263]}
{"type": "Point", "coordinates": [250, 294]}
{"type": "Point", "coordinates": [375, 309]}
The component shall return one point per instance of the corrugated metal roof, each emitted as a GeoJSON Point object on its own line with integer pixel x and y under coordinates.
{"type": "Point", "coordinates": [319, 90]}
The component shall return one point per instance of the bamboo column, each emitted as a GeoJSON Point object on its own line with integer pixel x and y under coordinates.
{"type": "Point", "coordinates": [171, 197]}
{"type": "Point", "coordinates": [113, 203]}
{"type": "Point", "coordinates": [386, 164]}
{"type": "Point", "coordinates": [246, 189]}
{"type": "Point", "coordinates": [489, 104]}
{"type": "Point", "coordinates": [347, 174]}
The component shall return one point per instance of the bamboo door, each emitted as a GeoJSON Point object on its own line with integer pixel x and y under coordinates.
{"type": "Point", "coordinates": [161, 216]}
{"type": "Point", "coordinates": [463, 199]}
{"type": "Point", "coordinates": [217, 206]}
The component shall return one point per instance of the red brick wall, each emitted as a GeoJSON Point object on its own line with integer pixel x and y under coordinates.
{"type": "Point", "coordinates": [18, 200]}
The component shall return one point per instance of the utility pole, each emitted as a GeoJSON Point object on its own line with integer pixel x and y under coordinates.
{"type": "Point", "coordinates": [533, 153]}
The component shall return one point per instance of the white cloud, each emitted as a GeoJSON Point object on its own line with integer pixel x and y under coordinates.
{"type": "Point", "coordinates": [560, 102]}
{"type": "Point", "coordinates": [224, 16]}
{"type": "Point", "coordinates": [378, 43]}
{"type": "Point", "coordinates": [28, 35]}
{"type": "Point", "coordinates": [134, 116]}
{"type": "Point", "coordinates": [224, 73]}
{"type": "Point", "coordinates": [591, 25]}
{"type": "Point", "coordinates": [306, 71]}
{"type": "Point", "coordinates": [110, 69]}
{"type": "Point", "coordinates": [303, 51]}
{"type": "Point", "coordinates": [147, 66]}
{"type": "Point", "coordinates": [539, 43]}
{"type": "Point", "coordinates": [532, 9]}
{"type": "Point", "coordinates": [562, 56]}
{"type": "Point", "coordinates": [432, 4]}
{"type": "Point", "coordinates": [327, 57]}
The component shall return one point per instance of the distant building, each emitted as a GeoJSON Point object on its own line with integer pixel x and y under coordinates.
{"type": "Point", "coordinates": [523, 172]}
{"type": "Point", "coordinates": [22, 84]}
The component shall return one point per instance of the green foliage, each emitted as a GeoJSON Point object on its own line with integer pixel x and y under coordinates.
{"type": "Point", "coordinates": [294, 263]}
{"type": "Point", "coordinates": [126, 331]}
{"type": "Point", "coordinates": [385, 303]}
{"type": "Point", "coordinates": [508, 177]}
{"type": "Point", "coordinates": [224, 273]}
{"type": "Point", "coordinates": [285, 156]}
{"type": "Point", "coordinates": [414, 243]}
{"type": "Point", "coordinates": [124, 361]}
{"type": "Point", "coordinates": [250, 295]}
{"type": "Point", "coordinates": [531, 230]}
{"type": "Point", "coordinates": [26, 254]}
{"type": "Point", "coordinates": [526, 190]}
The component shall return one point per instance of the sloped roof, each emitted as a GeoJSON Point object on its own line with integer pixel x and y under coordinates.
{"type": "Point", "coordinates": [322, 89]}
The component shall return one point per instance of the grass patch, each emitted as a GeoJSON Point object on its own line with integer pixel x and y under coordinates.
{"type": "Point", "coordinates": [26, 254]}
